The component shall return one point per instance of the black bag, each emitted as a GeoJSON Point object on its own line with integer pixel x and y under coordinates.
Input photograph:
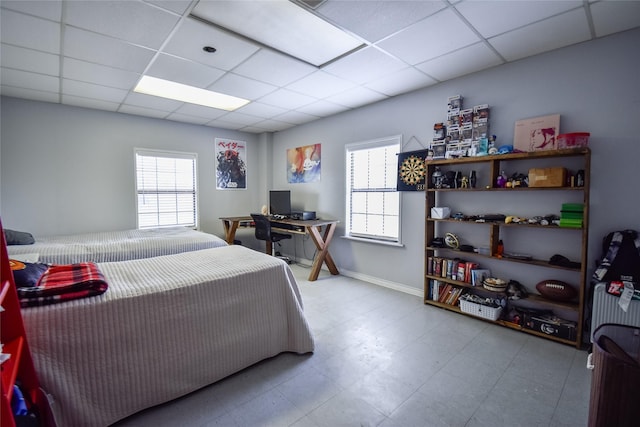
{"type": "Point", "coordinates": [620, 257]}
{"type": "Point", "coordinates": [620, 261]}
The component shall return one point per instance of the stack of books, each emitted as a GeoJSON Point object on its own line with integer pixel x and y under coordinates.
{"type": "Point", "coordinates": [572, 215]}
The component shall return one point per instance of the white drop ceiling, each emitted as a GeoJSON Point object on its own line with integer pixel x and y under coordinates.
{"type": "Point", "coordinates": [92, 53]}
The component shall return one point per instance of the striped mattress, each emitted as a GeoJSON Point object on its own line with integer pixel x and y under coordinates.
{"type": "Point", "coordinates": [166, 326]}
{"type": "Point", "coordinates": [111, 246]}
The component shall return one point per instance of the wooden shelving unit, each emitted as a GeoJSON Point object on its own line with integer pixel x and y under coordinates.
{"type": "Point", "coordinates": [18, 368]}
{"type": "Point", "coordinates": [493, 165]}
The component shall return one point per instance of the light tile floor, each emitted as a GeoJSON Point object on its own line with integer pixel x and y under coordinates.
{"type": "Point", "coordinates": [385, 359]}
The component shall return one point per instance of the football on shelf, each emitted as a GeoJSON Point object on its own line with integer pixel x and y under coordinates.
{"type": "Point", "coordinates": [556, 290]}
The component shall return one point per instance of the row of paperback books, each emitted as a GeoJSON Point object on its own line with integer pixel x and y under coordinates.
{"type": "Point", "coordinates": [444, 293]}
{"type": "Point", "coordinates": [457, 269]}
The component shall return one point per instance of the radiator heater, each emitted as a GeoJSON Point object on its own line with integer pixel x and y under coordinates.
{"type": "Point", "coordinates": [607, 310]}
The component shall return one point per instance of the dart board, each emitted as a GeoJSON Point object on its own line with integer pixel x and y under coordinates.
{"type": "Point", "coordinates": [412, 170]}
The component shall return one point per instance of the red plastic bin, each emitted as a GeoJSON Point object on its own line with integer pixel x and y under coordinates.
{"type": "Point", "coordinates": [573, 140]}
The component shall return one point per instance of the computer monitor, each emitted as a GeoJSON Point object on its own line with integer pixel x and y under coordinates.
{"type": "Point", "coordinates": [280, 202]}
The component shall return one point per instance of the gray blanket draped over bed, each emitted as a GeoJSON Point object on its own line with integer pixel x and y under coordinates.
{"type": "Point", "coordinates": [166, 326]}
{"type": "Point", "coordinates": [122, 245]}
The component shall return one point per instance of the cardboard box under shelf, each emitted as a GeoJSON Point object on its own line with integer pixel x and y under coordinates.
{"type": "Point", "coordinates": [547, 177]}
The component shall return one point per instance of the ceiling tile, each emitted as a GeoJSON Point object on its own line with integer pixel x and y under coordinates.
{"type": "Point", "coordinates": [495, 17]}
{"type": "Point", "coordinates": [287, 99]}
{"type": "Point", "coordinates": [612, 16]}
{"type": "Point", "coordinates": [259, 109]}
{"type": "Point", "coordinates": [404, 81]}
{"type": "Point", "coordinates": [219, 123]}
{"type": "Point", "coordinates": [133, 21]}
{"type": "Point", "coordinates": [153, 102]}
{"type": "Point", "coordinates": [415, 44]}
{"type": "Point", "coordinates": [33, 95]}
{"type": "Point", "coordinates": [99, 74]}
{"type": "Point", "coordinates": [241, 119]}
{"type": "Point", "coordinates": [183, 71]}
{"type": "Point", "coordinates": [282, 25]}
{"type": "Point", "coordinates": [322, 108]}
{"type": "Point", "coordinates": [192, 35]}
{"type": "Point", "coordinates": [552, 33]}
{"type": "Point", "coordinates": [28, 80]}
{"type": "Point", "coordinates": [187, 119]}
{"type": "Point", "coordinates": [439, 34]}
{"type": "Point", "coordinates": [48, 9]}
{"type": "Point", "coordinates": [88, 90]}
{"type": "Point", "coordinates": [200, 111]}
{"type": "Point", "coordinates": [356, 97]}
{"type": "Point", "coordinates": [79, 101]}
{"type": "Point", "coordinates": [26, 31]}
{"type": "Point", "coordinates": [320, 85]}
{"type": "Point", "coordinates": [295, 117]}
{"type": "Point", "coordinates": [274, 68]}
{"type": "Point", "coordinates": [29, 60]}
{"type": "Point", "coordinates": [87, 46]}
{"type": "Point", "coordinates": [365, 65]}
{"type": "Point", "coordinates": [269, 125]}
{"type": "Point", "coordinates": [373, 20]}
{"type": "Point", "coordinates": [177, 6]}
{"type": "Point", "coordinates": [233, 84]}
{"type": "Point", "coordinates": [464, 61]}
{"type": "Point", "coordinates": [141, 111]}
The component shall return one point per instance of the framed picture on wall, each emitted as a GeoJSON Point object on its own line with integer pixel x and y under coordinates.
{"type": "Point", "coordinates": [231, 164]}
{"type": "Point", "coordinates": [303, 164]}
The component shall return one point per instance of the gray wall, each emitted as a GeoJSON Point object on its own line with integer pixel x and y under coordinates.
{"type": "Point", "coordinates": [595, 88]}
{"type": "Point", "coordinates": [66, 169]}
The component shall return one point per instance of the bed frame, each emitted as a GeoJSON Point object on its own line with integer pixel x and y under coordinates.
{"type": "Point", "coordinates": [122, 245]}
{"type": "Point", "coordinates": [165, 327]}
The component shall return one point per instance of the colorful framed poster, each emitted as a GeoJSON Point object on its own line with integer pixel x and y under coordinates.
{"type": "Point", "coordinates": [411, 170]}
{"type": "Point", "coordinates": [303, 164]}
{"type": "Point", "coordinates": [231, 166]}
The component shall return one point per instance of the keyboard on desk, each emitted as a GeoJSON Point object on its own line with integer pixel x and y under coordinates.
{"type": "Point", "coordinates": [286, 226]}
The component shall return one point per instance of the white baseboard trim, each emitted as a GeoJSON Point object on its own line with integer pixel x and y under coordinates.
{"type": "Point", "coordinates": [370, 279]}
{"type": "Point", "coordinates": [384, 283]}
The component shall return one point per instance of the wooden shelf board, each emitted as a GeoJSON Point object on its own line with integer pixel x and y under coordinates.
{"type": "Point", "coordinates": [536, 262]}
{"type": "Point", "coordinates": [504, 323]}
{"type": "Point", "coordinates": [569, 152]}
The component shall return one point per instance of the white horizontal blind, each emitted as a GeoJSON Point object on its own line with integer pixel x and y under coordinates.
{"type": "Point", "coordinates": [166, 189]}
{"type": "Point", "coordinates": [373, 202]}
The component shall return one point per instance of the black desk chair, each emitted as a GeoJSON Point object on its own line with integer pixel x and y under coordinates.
{"type": "Point", "coordinates": [263, 232]}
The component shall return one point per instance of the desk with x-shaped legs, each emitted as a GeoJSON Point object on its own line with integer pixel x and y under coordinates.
{"type": "Point", "coordinates": [313, 228]}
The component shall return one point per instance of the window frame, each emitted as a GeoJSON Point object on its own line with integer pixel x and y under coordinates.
{"type": "Point", "coordinates": [145, 152]}
{"type": "Point", "coordinates": [394, 141]}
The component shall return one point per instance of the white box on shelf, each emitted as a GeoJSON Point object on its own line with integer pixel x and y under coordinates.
{"type": "Point", "coordinates": [440, 213]}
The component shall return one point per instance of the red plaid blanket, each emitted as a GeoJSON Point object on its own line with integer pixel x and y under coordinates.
{"type": "Point", "coordinates": [62, 283]}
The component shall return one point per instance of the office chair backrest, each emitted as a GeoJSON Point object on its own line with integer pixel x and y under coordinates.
{"type": "Point", "coordinates": [263, 227]}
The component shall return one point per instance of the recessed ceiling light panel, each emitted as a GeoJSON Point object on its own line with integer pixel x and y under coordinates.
{"type": "Point", "coordinates": [167, 89]}
{"type": "Point", "coordinates": [281, 25]}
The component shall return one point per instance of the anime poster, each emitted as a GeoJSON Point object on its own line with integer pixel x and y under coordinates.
{"type": "Point", "coordinates": [303, 164]}
{"type": "Point", "coordinates": [231, 167]}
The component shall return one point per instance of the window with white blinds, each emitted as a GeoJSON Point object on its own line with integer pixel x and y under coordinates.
{"type": "Point", "coordinates": [166, 189]}
{"type": "Point", "coordinates": [373, 202]}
